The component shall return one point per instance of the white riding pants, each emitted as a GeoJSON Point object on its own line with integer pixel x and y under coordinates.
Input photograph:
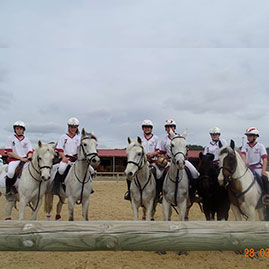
{"type": "Point", "coordinates": [63, 166]}
{"type": "Point", "coordinates": [11, 168]}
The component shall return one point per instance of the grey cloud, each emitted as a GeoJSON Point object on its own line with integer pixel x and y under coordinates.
{"type": "Point", "coordinates": [6, 99]}
{"type": "Point", "coordinates": [46, 128]}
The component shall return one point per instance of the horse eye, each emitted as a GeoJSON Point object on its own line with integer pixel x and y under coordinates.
{"type": "Point", "coordinates": [39, 158]}
{"type": "Point", "coordinates": [172, 145]}
{"type": "Point", "coordinates": [84, 144]}
{"type": "Point", "coordinates": [139, 153]}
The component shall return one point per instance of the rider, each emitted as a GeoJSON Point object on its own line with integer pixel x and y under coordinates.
{"type": "Point", "coordinates": [215, 144]}
{"type": "Point", "coordinates": [67, 148]}
{"type": "Point", "coordinates": [255, 157]}
{"type": "Point", "coordinates": [163, 149]}
{"type": "Point", "coordinates": [149, 142]}
{"type": "Point", "coordinates": [19, 149]}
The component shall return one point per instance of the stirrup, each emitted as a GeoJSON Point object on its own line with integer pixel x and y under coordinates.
{"type": "Point", "coordinates": [127, 196]}
{"type": "Point", "coordinates": [10, 196]}
{"type": "Point", "coordinates": [265, 199]}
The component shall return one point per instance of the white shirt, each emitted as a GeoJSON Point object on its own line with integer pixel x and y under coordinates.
{"type": "Point", "coordinates": [68, 145]}
{"type": "Point", "coordinates": [254, 155]}
{"type": "Point", "coordinates": [150, 144]}
{"type": "Point", "coordinates": [214, 147]}
{"type": "Point", "coordinates": [20, 146]}
{"type": "Point", "coordinates": [164, 146]}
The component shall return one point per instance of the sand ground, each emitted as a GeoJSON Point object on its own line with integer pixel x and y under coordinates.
{"type": "Point", "coordinates": [107, 204]}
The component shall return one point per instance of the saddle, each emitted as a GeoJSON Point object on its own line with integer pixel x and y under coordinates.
{"type": "Point", "coordinates": [258, 179]}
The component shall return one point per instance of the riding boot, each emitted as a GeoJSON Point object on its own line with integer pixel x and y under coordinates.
{"type": "Point", "coordinates": [265, 198]}
{"type": "Point", "coordinates": [10, 196]}
{"type": "Point", "coordinates": [56, 183]}
{"type": "Point", "coordinates": [159, 189]}
{"type": "Point", "coordinates": [127, 195]}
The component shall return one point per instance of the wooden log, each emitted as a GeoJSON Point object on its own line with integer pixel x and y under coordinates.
{"type": "Point", "coordinates": [132, 235]}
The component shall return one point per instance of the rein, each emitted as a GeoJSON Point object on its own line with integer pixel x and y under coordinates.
{"type": "Point", "coordinates": [38, 180]}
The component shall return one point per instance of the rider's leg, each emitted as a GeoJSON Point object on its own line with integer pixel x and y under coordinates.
{"type": "Point", "coordinates": [10, 180]}
{"type": "Point", "coordinates": [193, 181]}
{"type": "Point", "coordinates": [265, 190]}
{"type": "Point", "coordinates": [59, 177]}
{"type": "Point", "coordinates": [127, 194]}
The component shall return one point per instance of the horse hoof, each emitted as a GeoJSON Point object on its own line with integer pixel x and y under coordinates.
{"type": "Point", "coordinates": [152, 219]}
{"type": "Point", "coordinates": [183, 253]}
{"type": "Point", "coordinates": [161, 252]}
{"type": "Point", "coordinates": [58, 217]}
{"type": "Point", "coordinates": [48, 217]}
{"type": "Point", "coordinates": [144, 218]}
{"type": "Point", "coordinates": [8, 218]}
{"type": "Point", "coordinates": [186, 218]}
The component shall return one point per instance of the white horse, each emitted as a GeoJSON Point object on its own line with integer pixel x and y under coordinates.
{"type": "Point", "coordinates": [243, 190]}
{"type": "Point", "coordinates": [78, 181]}
{"type": "Point", "coordinates": [143, 185]}
{"type": "Point", "coordinates": [10, 204]}
{"type": "Point", "coordinates": [176, 184]}
{"type": "Point", "coordinates": [34, 179]}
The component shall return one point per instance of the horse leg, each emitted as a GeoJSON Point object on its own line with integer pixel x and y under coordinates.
{"type": "Point", "coordinates": [59, 208]}
{"type": "Point", "coordinates": [85, 207]}
{"type": "Point", "coordinates": [182, 206]}
{"type": "Point", "coordinates": [71, 203]}
{"type": "Point", "coordinates": [236, 213]}
{"type": "Point", "coordinates": [22, 205]}
{"type": "Point", "coordinates": [261, 213]}
{"type": "Point", "coordinates": [48, 205]}
{"type": "Point", "coordinates": [149, 210]}
{"type": "Point", "coordinates": [9, 207]}
{"type": "Point", "coordinates": [135, 210]}
{"type": "Point", "coordinates": [144, 214]}
{"type": "Point", "coordinates": [34, 212]}
{"type": "Point", "coordinates": [167, 211]}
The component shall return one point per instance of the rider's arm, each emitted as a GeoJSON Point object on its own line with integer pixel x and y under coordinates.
{"type": "Point", "coordinates": [264, 166]}
{"type": "Point", "coordinates": [243, 156]}
{"type": "Point", "coordinates": [13, 155]}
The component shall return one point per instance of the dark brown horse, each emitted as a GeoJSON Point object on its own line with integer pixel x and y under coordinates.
{"type": "Point", "coordinates": [214, 197]}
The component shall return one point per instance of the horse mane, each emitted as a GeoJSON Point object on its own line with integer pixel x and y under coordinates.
{"type": "Point", "coordinates": [90, 135]}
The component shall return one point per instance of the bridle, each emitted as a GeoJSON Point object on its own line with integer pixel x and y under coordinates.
{"type": "Point", "coordinates": [87, 155]}
{"type": "Point", "coordinates": [141, 162]}
{"type": "Point", "coordinates": [177, 153]}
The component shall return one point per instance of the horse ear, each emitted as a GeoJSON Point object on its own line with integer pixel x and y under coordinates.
{"type": "Point", "coordinates": [139, 140]}
{"type": "Point", "coordinates": [232, 144]}
{"type": "Point", "coordinates": [129, 140]}
{"type": "Point", "coordinates": [83, 132]}
{"type": "Point", "coordinates": [39, 143]}
{"type": "Point", "coordinates": [172, 134]}
{"type": "Point", "coordinates": [185, 133]}
{"type": "Point", "coordinates": [201, 155]}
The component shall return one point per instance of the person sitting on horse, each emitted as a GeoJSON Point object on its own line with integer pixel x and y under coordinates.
{"type": "Point", "coordinates": [67, 147]}
{"type": "Point", "coordinates": [255, 157]}
{"type": "Point", "coordinates": [164, 151]}
{"type": "Point", "coordinates": [19, 150]}
{"type": "Point", "coordinates": [215, 144]}
{"type": "Point", "coordinates": [149, 142]}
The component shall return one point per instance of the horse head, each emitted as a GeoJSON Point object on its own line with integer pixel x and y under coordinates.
{"type": "Point", "coordinates": [227, 163]}
{"type": "Point", "coordinates": [178, 149]}
{"type": "Point", "coordinates": [136, 157]}
{"type": "Point", "coordinates": [88, 145]}
{"type": "Point", "coordinates": [43, 160]}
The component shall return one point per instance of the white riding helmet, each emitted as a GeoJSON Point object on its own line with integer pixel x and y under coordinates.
{"type": "Point", "coordinates": [19, 123]}
{"type": "Point", "coordinates": [170, 123]}
{"type": "Point", "coordinates": [214, 130]}
{"type": "Point", "coordinates": [252, 131]}
{"type": "Point", "coordinates": [147, 123]}
{"type": "Point", "coordinates": [73, 121]}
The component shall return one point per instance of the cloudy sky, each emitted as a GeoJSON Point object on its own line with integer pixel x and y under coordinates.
{"type": "Point", "coordinates": [114, 63]}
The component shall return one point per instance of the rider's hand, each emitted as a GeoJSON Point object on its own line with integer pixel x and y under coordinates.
{"type": "Point", "coordinates": [24, 160]}
{"type": "Point", "coordinates": [65, 160]}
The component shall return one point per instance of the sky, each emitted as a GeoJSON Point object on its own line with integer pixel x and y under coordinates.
{"type": "Point", "coordinates": [114, 63]}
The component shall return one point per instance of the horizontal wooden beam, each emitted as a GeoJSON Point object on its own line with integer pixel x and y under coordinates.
{"type": "Point", "coordinates": [132, 235]}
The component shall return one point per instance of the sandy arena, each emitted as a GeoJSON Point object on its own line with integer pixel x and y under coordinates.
{"type": "Point", "coordinates": [107, 194]}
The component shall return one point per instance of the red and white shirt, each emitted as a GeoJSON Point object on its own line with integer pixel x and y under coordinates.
{"type": "Point", "coordinates": [164, 146]}
{"type": "Point", "coordinates": [254, 154]}
{"type": "Point", "coordinates": [68, 145]}
{"type": "Point", "coordinates": [19, 145]}
{"type": "Point", "coordinates": [214, 147]}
